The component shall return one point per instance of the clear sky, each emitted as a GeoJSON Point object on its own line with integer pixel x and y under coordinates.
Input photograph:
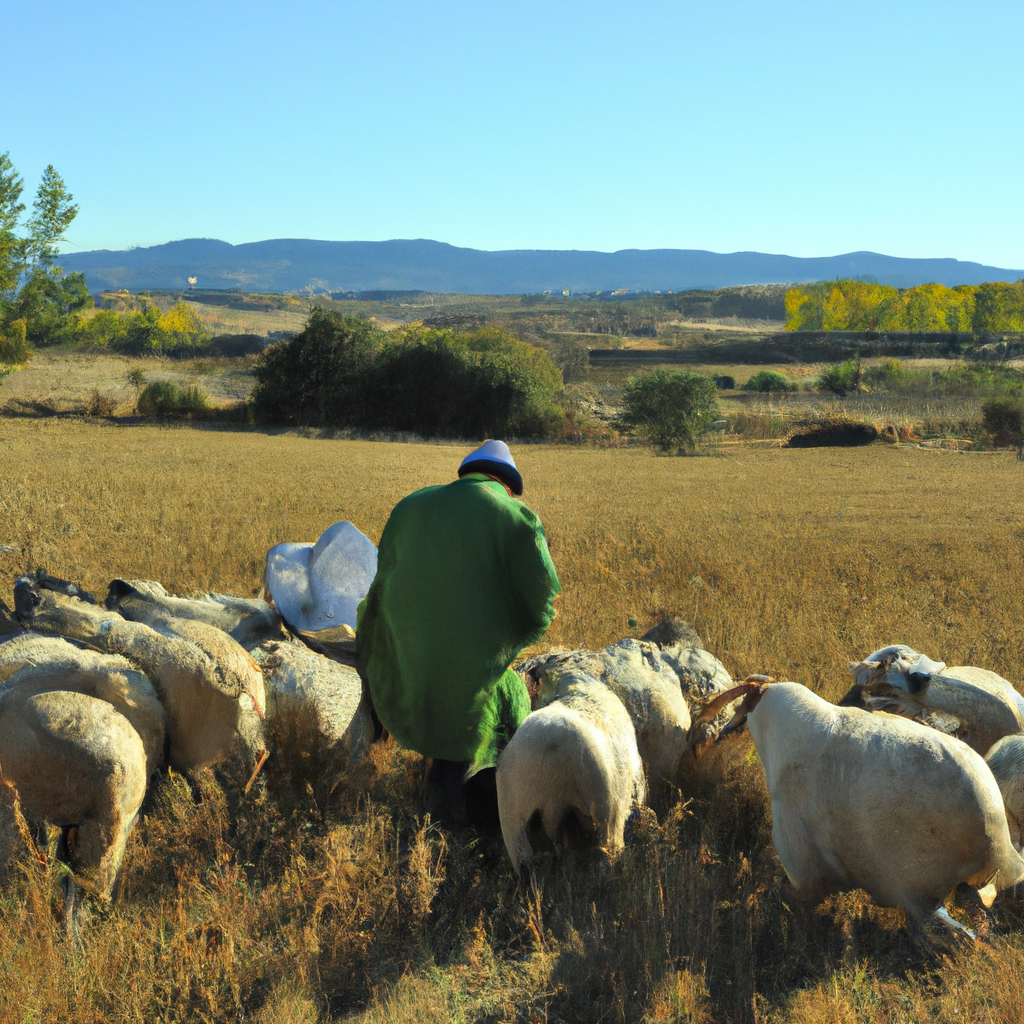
{"type": "Point", "coordinates": [805, 127]}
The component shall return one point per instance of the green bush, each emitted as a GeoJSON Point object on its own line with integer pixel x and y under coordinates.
{"type": "Point", "coordinates": [725, 383]}
{"type": "Point", "coordinates": [1003, 418]}
{"type": "Point", "coordinates": [164, 398]}
{"type": "Point", "coordinates": [671, 408]}
{"type": "Point", "coordinates": [344, 371]}
{"type": "Point", "coordinates": [889, 375]}
{"type": "Point", "coordinates": [841, 378]}
{"type": "Point", "coordinates": [317, 378]}
{"type": "Point", "coordinates": [474, 384]}
{"type": "Point", "coordinates": [14, 346]}
{"type": "Point", "coordinates": [769, 382]}
{"type": "Point", "coordinates": [178, 333]}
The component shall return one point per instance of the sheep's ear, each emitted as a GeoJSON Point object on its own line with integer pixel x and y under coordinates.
{"type": "Point", "coordinates": [863, 670]}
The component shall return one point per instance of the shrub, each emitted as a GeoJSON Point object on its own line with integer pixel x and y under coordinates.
{"type": "Point", "coordinates": [343, 371]}
{"type": "Point", "coordinates": [832, 432]}
{"type": "Point", "coordinates": [671, 408]}
{"type": "Point", "coordinates": [1003, 418]}
{"type": "Point", "coordinates": [889, 375]}
{"type": "Point", "coordinates": [14, 346]}
{"type": "Point", "coordinates": [100, 403]}
{"type": "Point", "coordinates": [164, 398]}
{"type": "Point", "coordinates": [474, 384]}
{"type": "Point", "coordinates": [725, 382]}
{"type": "Point", "coordinates": [234, 346]}
{"type": "Point", "coordinates": [841, 378]}
{"type": "Point", "coordinates": [178, 332]}
{"type": "Point", "coordinates": [769, 382]}
{"type": "Point", "coordinates": [317, 378]}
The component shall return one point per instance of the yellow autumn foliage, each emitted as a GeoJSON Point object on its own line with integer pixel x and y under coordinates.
{"type": "Point", "coordinates": [849, 305]}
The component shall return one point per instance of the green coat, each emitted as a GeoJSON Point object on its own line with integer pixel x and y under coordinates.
{"type": "Point", "coordinates": [464, 582]}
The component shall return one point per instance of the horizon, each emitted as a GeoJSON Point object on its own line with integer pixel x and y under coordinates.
{"type": "Point", "coordinates": [608, 252]}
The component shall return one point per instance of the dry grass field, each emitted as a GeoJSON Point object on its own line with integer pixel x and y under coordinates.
{"type": "Point", "coordinates": [59, 382]}
{"type": "Point", "coordinates": [325, 895]}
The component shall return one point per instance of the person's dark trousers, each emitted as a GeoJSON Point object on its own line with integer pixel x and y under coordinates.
{"type": "Point", "coordinates": [452, 802]}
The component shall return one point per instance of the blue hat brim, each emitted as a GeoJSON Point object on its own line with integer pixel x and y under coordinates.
{"type": "Point", "coordinates": [502, 470]}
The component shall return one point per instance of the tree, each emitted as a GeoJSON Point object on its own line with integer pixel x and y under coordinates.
{"type": "Point", "coordinates": [671, 408]}
{"type": "Point", "coordinates": [12, 257]}
{"type": "Point", "coordinates": [33, 288]}
{"type": "Point", "coordinates": [315, 378]}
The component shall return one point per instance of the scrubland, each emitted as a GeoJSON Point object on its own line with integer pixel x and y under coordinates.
{"type": "Point", "coordinates": [326, 894]}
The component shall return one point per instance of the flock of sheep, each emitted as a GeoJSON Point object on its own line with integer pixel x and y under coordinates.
{"type": "Point", "coordinates": [95, 698]}
{"type": "Point", "coordinates": [912, 787]}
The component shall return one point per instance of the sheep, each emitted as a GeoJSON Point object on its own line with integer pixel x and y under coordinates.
{"type": "Point", "coordinates": [876, 802]}
{"type": "Point", "coordinates": [106, 677]}
{"type": "Point", "coordinates": [664, 691]}
{"type": "Point", "coordinates": [646, 686]}
{"type": "Point", "coordinates": [576, 758]}
{"type": "Point", "coordinates": [972, 704]}
{"type": "Point", "coordinates": [204, 678]}
{"type": "Point", "coordinates": [248, 620]}
{"type": "Point", "coordinates": [76, 762]}
{"type": "Point", "coordinates": [299, 682]}
{"type": "Point", "coordinates": [1006, 760]}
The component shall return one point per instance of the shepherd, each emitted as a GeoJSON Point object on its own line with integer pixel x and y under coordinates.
{"type": "Point", "coordinates": [464, 582]}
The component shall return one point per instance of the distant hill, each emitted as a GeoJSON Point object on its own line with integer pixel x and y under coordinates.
{"type": "Point", "coordinates": [295, 264]}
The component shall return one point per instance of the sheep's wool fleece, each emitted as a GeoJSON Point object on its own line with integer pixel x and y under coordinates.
{"type": "Point", "coordinates": [464, 582]}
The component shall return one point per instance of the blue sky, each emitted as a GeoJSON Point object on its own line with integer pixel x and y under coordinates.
{"type": "Point", "coordinates": [806, 128]}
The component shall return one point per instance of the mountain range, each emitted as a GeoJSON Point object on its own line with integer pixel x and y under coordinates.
{"type": "Point", "coordinates": [300, 264]}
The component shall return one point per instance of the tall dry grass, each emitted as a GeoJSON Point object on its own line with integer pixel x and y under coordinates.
{"type": "Point", "coordinates": [325, 894]}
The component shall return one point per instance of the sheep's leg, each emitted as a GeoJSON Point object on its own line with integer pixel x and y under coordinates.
{"type": "Point", "coordinates": [944, 916]}
{"type": "Point", "coordinates": [515, 830]}
{"type": "Point", "coordinates": [972, 902]}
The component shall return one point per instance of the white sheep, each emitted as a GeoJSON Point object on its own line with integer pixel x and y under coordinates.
{"type": "Point", "coordinates": [304, 687]}
{"type": "Point", "coordinates": [574, 759]}
{"type": "Point", "coordinates": [77, 763]}
{"type": "Point", "coordinates": [876, 802]}
{"type": "Point", "coordinates": [206, 681]}
{"type": "Point", "coordinates": [647, 687]}
{"type": "Point", "coordinates": [250, 620]}
{"type": "Point", "coordinates": [972, 704]}
{"type": "Point", "coordinates": [1006, 759]}
{"type": "Point", "coordinates": [107, 678]}
{"type": "Point", "coordinates": [665, 692]}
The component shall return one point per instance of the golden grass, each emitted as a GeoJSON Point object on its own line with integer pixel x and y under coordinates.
{"type": "Point", "coordinates": [61, 382]}
{"type": "Point", "coordinates": [309, 901]}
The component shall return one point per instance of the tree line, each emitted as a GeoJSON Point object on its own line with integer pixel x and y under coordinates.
{"type": "Point", "coordinates": [852, 305]}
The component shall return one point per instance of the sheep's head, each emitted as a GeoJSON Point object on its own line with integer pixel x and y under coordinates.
{"type": "Point", "coordinates": [892, 668]}
{"type": "Point", "coordinates": [53, 611]}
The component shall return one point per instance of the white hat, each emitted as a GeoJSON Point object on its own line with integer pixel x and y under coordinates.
{"type": "Point", "coordinates": [319, 586]}
{"type": "Point", "coordinates": [494, 457]}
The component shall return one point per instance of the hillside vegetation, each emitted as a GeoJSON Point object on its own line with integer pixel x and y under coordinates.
{"type": "Point", "coordinates": [846, 305]}
{"type": "Point", "coordinates": [326, 895]}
